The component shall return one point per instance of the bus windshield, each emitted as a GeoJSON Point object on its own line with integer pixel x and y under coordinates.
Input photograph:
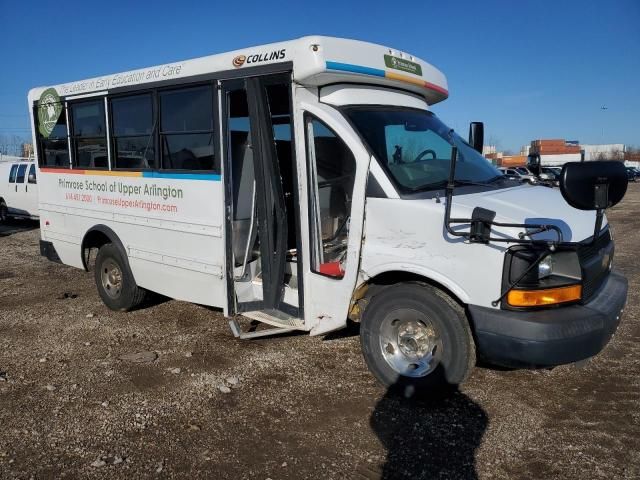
{"type": "Point", "coordinates": [414, 147]}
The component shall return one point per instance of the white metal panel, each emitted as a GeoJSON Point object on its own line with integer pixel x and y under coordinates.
{"type": "Point", "coordinates": [174, 244]}
{"type": "Point", "coordinates": [11, 158]}
{"type": "Point", "coordinates": [87, 95]}
{"type": "Point", "coordinates": [317, 60]}
{"type": "Point", "coordinates": [370, 95]}
{"type": "Point", "coordinates": [407, 235]}
{"type": "Point", "coordinates": [594, 152]}
{"type": "Point", "coordinates": [7, 189]}
{"type": "Point", "coordinates": [559, 159]}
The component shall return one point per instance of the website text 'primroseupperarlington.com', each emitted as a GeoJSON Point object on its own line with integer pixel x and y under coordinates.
{"type": "Point", "coordinates": [140, 204]}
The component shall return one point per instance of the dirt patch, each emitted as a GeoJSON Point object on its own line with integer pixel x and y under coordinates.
{"type": "Point", "coordinates": [145, 378]}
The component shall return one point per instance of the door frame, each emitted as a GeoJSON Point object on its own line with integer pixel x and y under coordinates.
{"type": "Point", "coordinates": [328, 298]}
{"type": "Point", "coordinates": [260, 133]}
{"type": "Point", "coordinates": [31, 192]}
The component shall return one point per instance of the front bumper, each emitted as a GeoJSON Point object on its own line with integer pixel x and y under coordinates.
{"type": "Point", "coordinates": [546, 338]}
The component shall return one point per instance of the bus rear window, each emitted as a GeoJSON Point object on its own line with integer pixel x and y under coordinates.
{"type": "Point", "coordinates": [54, 149]}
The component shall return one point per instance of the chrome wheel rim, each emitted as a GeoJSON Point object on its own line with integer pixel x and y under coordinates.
{"type": "Point", "coordinates": [410, 343]}
{"type": "Point", "coordinates": [111, 277]}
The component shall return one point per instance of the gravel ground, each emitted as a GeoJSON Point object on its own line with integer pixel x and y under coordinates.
{"type": "Point", "coordinates": [195, 402]}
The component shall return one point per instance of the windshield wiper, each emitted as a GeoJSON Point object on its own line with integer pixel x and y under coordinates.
{"type": "Point", "coordinates": [443, 183]}
{"type": "Point", "coordinates": [488, 183]}
{"type": "Point", "coordinates": [496, 179]}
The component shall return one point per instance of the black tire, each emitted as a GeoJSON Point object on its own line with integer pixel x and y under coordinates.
{"type": "Point", "coordinates": [4, 212]}
{"type": "Point", "coordinates": [447, 319]}
{"type": "Point", "coordinates": [119, 291]}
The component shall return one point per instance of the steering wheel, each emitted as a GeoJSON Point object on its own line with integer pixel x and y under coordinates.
{"type": "Point", "coordinates": [425, 152]}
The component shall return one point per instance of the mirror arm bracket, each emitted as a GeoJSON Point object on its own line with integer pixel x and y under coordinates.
{"type": "Point", "coordinates": [486, 223]}
{"type": "Point", "coordinates": [601, 201]}
{"type": "Point", "coordinates": [598, 225]}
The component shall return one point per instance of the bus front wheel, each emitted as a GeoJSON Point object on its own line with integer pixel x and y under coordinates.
{"type": "Point", "coordinates": [114, 280]}
{"type": "Point", "coordinates": [416, 340]}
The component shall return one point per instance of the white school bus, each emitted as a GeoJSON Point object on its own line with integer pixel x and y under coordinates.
{"type": "Point", "coordinates": [307, 182]}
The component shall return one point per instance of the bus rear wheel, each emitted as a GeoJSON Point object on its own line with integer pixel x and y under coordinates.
{"type": "Point", "coordinates": [114, 280]}
{"type": "Point", "coordinates": [416, 340]}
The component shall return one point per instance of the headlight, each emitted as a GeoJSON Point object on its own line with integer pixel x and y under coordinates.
{"type": "Point", "coordinates": [545, 267]}
{"type": "Point", "coordinates": [545, 284]}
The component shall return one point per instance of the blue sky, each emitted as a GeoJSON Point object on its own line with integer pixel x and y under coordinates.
{"type": "Point", "coordinates": [528, 69]}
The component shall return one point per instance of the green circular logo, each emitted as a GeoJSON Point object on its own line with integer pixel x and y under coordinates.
{"type": "Point", "coordinates": [49, 110]}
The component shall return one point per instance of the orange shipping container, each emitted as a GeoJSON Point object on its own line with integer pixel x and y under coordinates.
{"type": "Point", "coordinates": [549, 147]}
{"type": "Point", "coordinates": [514, 161]}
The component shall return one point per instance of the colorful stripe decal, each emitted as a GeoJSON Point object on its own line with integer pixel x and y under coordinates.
{"type": "Point", "coordinates": [348, 67]}
{"type": "Point", "coordinates": [376, 72]}
{"type": "Point", "coordinates": [148, 174]}
{"type": "Point", "coordinates": [183, 176]}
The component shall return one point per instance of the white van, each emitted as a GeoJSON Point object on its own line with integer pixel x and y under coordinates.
{"type": "Point", "coordinates": [18, 190]}
{"type": "Point", "coordinates": [519, 172]}
{"type": "Point", "coordinates": [306, 182]}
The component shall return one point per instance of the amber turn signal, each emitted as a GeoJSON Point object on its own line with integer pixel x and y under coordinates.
{"type": "Point", "coordinates": [548, 296]}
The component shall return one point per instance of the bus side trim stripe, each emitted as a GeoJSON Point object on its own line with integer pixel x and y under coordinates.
{"type": "Point", "coordinates": [214, 177]}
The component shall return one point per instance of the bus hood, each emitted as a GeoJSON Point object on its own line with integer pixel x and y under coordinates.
{"type": "Point", "coordinates": [529, 204]}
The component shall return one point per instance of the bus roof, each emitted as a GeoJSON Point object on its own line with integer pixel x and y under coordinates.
{"type": "Point", "coordinates": [315, 60]}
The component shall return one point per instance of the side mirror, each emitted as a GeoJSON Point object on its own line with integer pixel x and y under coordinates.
{"type": "Point", "coordinates": [533, 164]}
{"type": "Point", "coordinates": [31, 178]}
{"type": "Point", "coordinates": [476, 136]}
{"type": "Point", "coordinates": [593, 185]}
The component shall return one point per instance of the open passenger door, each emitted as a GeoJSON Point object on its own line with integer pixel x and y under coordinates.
{"type": "Point", "coordinates": [262, 217]}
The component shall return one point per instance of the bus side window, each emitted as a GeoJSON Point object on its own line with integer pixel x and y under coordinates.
{"type": "Point", "coordinates": [332, 169]}
{"type": "Point", "coordinates": [12, 173]}
{"type": "Point", "coordinates": [132, 119]}
{"type": "Point", "coordinates": [22, 169]}
{"type": "Point", "coordinates": [32, 174]}
{"type": "Point", "coordinates": [186, 129]}
{"type": "Point", "coordinates": [89, 134]}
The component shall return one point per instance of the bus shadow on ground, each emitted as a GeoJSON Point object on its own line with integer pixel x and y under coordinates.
{"type": "Point", "coordinates": [151, 299]}
{"type": "Point", "coordinates": [13, 226]}
{"type": "Point", "coordinates": [352, 329]}
{"type": "Point", "coordinates": [427, 438]}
